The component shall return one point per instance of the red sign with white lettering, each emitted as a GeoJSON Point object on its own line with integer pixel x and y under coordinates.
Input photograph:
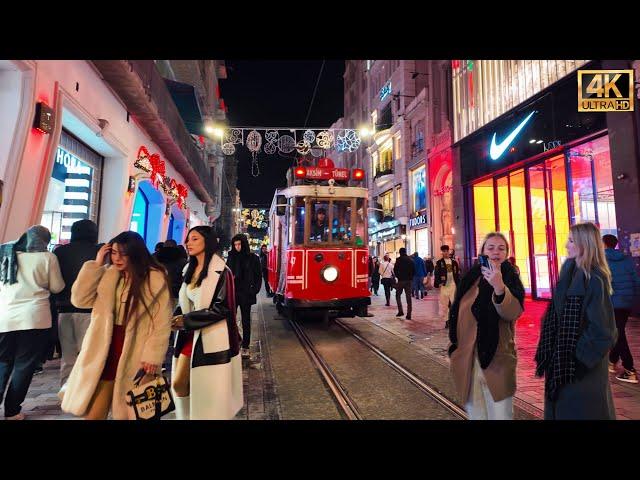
{"type": "Point", "coordinates": [322, 173]}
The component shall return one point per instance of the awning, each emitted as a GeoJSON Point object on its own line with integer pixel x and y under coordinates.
{"type": "Point", "coordinates": [184, 96]}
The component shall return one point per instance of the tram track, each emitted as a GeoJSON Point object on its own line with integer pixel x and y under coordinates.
{"type": "Point", "coordinates": [348, 406]}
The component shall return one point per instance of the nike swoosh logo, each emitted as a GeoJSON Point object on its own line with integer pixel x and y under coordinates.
{"type": "Point", "coordinates": [496, 151]}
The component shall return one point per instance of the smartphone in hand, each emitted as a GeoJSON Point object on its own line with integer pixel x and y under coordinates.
{"type": "Point", "coordinates": [484, 261]}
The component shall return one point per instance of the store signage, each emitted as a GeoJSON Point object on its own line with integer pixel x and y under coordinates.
{"type": "Point", "coordinates": [385, 91]}
{"type": "Point", "coordinates": [552, 145]}
{"type": "Point", "coordinates": [605, 90]}
{"type": "Point", "coordinates": [441, 191]}
{"type": "Point", "coordinates": [385, 234]}
{"type": "Point", "coordinates": [497, 149]}
{"type": "Point", "coordinates": [44, 118]}
{"type": "Point", "coordinates": [418, 221]}
{"type": "Point", "coordinates": [67, 160]}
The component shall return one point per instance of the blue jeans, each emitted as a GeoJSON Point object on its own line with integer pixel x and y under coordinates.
{"type": "Point", "coordinates": [20, 354]}
{"type": "Point", "coordinates": [418, 286]}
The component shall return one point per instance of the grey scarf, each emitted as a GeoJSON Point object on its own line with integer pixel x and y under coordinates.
{"type": "Point", "coordinates": [35, 239]}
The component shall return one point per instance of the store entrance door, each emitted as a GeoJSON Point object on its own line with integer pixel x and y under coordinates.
{"type": "Point", "coordinates": [548, 223]}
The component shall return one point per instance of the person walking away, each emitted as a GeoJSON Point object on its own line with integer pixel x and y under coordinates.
{"type": "Point", "coordinates": [173, 260]}
{"type": "Point", "coordinates": [386, 277]}
{"type": "Point", "coordinates": [446, 277]}
{"type": "Point", "coordinates": [481, 332]}
{"type": "Point", "coordinates": [73, 322]}
{"type": "Point", "coordinates": [245, 267]}
{"type": "Point", "coordinates": [578, 330]}
{"type": "Point", "coordinates": [264, 265]}
{"type": "Point", "coordinates": [429, 268]}
{"type": "Point", "coordinates": [626, 288]}
{"type": "Point", "coordinates": [418, 276]}
{"type": "Point", "coordinates": [404, 271]}
{"type": "Point", "coordinates": [207, 369]}
{"type": "Point", "coordinates": [375, 277]}
{"type": "Point", "coordinates": [129, 329]}
{"type": "Point", "coordinates": [29, 273]}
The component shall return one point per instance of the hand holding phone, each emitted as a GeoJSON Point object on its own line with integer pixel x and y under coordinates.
{"type": "Point", "coordinates": [484, 261]}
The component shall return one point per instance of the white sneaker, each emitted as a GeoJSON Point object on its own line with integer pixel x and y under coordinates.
{"type": "Point", "coordinates": [19, 416]}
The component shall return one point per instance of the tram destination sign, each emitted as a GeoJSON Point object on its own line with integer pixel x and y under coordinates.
{"type": "Point", "coordinates": [322, 173]}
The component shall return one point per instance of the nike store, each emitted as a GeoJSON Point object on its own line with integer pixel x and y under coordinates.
{"type": "Point", "coordinates": [533, 172]}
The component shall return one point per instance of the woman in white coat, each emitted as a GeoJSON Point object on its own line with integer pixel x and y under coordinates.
{"type": "Point", "coordinates": [28, 274]}
{"type": "Point", "coordinates": [207, 369]}
{"type": "Point", "coordinates": [129, 330]}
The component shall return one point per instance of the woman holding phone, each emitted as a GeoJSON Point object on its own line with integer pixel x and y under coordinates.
{"type": "Point", "coordinates": [130, 299]}
{"type": "Point", "coordinates": [207, 378]}
{"type": "Point", "coordinates": [490, 298]}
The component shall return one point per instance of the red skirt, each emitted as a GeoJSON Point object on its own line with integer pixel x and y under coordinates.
{"type": "Point", "coordinates": [187, 348]}
{"type": "Point", "coordinates": [115, 350]}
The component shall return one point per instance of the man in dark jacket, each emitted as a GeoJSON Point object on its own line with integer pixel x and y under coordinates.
{"type": "Point", "coordinates": [418, 277]}
{"type": "Point", "coordinates": [248, 280]}
{"type": "Point", "coordinates": [264, 265]}
{"type": "Point", "coordinates": [626, 288]}
{"type": "Point", "coordinates": [404, 270]}
{"type": "Point", "coordinates": [447, 278]}
{"type": "Point", "coordinates": [73, 322]}
{"type": "Point", "coordinates": [171, 256]}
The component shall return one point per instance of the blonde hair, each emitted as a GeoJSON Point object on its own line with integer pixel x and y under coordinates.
{"type": "Point", "coordinates": [491, 235]}
{"type": "Point", "coordinates": [591, 255]}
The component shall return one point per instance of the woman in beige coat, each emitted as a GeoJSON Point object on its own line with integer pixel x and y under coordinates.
{"type": "Point", "coordinates": [131, 307]}
{"type": "Point", "coordinates": [489, 299]}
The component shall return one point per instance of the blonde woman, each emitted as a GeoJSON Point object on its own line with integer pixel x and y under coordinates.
{"type": "Point", "coordinates": [489, 300]}
{"type": "Point", "coordinates": [577, 333]}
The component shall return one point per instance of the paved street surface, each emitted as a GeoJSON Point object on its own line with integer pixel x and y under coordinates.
{"type": "Point", "coordinates": [280, 382]}
{"type": "Point", "coordinates": [426, 330]}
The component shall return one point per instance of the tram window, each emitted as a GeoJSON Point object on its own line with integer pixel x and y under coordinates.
{"type": "Point", "coordinates": [361, 216]}
{"type": "Point", "coordinates": [299, 221]}
{"type": "Point", "coordinates": [341, 228]}
{"type": "Point", "coordinates": [319, 222]}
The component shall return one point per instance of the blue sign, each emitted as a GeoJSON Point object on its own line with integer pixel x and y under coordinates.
{"type": "Point", "coordinates": [385, 91]}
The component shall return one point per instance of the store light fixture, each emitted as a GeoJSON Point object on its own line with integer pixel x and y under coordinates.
{"type": "Point", "coordinates": [539, 141]}
{"type": "Point", "coordinates": [533, 140]}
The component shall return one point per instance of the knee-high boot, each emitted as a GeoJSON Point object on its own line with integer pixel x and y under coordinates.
{"type": "Point", "coordinates": [183, 410]}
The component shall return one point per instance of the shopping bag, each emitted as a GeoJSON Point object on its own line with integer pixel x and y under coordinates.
{"type": "Point", "coordinates": [151, 400]}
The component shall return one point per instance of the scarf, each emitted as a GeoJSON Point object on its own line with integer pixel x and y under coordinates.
{"type": "Point", "coordinates": [35, 239]}
{"type": "Point", "coordinates": [484, 310]}
{"type": "Point", "coordinates": [556, 352]}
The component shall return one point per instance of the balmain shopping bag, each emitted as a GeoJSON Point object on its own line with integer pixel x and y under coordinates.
{"type": "Point", "coordinates": [151, 400]}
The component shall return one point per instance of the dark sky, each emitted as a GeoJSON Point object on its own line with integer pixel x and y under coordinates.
{"type": "Point", "coordinates": [274, 93]}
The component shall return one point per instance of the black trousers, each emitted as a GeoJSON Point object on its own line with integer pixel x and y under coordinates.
{"type": "Point", "coordinates": [406, 286]}
{"type": "Point", "coordinates": [245, 311]}
{"type": "Point", "coordinates": [375, 284]}
{"type": "Point", "coordinates": [20, 354]}
{"type": "Point", "coordinates": [386, 283]}
{"type": "Point", "coordinates": [265, 277]}
{"type": "Point", "coordinates": [621, 350]}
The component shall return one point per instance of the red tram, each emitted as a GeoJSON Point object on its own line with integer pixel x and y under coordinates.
{"type": "Point", "coordinates": [318, 231]}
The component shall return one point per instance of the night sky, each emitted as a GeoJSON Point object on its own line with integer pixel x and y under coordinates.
{"type": "Point", "coordinates": [277, 94]}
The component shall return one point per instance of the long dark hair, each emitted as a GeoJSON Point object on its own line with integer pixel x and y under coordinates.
{"type": "Point", "coordinates": [139, 267]}
{"type": "Point", "coordinates": [211, 247]}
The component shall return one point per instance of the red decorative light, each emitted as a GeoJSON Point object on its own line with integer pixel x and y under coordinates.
{"type": "Point", "coordinates": [357, 174]}
{"type": "Point", "coordinates": [325, 162]}
{"type": "Point", "coordinates": [300, 172]}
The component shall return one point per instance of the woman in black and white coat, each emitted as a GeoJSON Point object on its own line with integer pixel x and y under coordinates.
{"type": "Point", "coordinates": [207, 379]}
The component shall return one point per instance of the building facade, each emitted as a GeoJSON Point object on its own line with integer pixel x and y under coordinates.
{"type": "Point", "coordinates": [110, 145]}
{"type": "Point", "coordinates": [530, 165]}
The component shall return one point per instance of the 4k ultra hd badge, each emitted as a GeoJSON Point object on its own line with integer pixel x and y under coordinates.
{"type": "Point", "coordinates": [605, 90]}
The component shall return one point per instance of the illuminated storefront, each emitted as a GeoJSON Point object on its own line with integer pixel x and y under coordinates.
{"type": "Point", "coordinates": [74, 188]}
{"type": "Point", "coordinates": [419, 221]}
{"type": "Point", "coordinates": [531, 174]}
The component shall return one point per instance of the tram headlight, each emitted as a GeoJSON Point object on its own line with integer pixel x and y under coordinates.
{"type": "Point", "coordinates": [329, 273]}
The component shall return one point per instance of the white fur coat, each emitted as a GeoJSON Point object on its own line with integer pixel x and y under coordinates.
{"type": "Point", "coordinates": [146, 339]}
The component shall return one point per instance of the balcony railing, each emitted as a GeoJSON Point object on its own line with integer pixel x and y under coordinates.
{"type": "Point", "coordinates": [382, 173]}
